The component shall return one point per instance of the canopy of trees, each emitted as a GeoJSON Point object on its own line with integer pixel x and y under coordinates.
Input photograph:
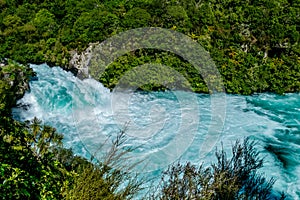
{"type": "Point", "coordinates": [255, 44]}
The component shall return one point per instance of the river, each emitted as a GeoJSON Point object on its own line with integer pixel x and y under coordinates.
{"type": "Point", "coordinates": [163, 127]}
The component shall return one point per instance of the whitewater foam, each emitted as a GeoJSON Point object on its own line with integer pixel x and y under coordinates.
{"type": "Point", "coordinates": [166, 126]}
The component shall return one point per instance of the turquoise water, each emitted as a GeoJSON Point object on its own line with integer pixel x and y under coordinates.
{"type": "Point", "coordinates": [166, 126]}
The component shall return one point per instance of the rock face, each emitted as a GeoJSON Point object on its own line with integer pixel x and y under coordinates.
{"type": "Point", "coordinates": [80, 62]}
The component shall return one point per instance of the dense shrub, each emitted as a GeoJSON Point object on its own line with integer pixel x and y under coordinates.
{"type": "Point", "coordinates": [228, 178]}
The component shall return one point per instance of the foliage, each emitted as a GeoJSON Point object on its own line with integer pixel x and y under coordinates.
{"type": "Point", "coordinates": [102, 182]}
{"type": "Point", "coordinates": [255, 45]}
{"type": "Point", "coordinates": [13, 84]}
{"type": "Point", "coordinates": [106, 178]}
{"type": "Point", "coordinates": [137, 17]}
{"type": "Point", "coordinates": [34, 163]}
{"type": "Point", "coordinates": [28, 170]}
{"type": "Point", "coordinates": [228, 178]}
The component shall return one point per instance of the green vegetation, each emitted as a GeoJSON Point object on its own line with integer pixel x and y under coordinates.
{"type": "Point", "coordinates": [255, 45]}
{"type": "Point", "coordinates": [34, 164]}
{"type": "Point", "coordinates": [229, 178]}
{"type": "Point", "coordinates": [14, 80]}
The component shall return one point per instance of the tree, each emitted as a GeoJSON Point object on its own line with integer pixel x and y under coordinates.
{"type": "Point", "coordinates": [95, 25]}
{"type": "Point", "coordinates": [136, 17]}
{"type": "Point", "coordinates": [45, 23]}
{"type": "Point", "coordinates": [28, 170]}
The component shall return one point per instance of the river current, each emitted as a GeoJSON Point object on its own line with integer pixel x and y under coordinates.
{"type": "Point", "coordinates": [164, 127]}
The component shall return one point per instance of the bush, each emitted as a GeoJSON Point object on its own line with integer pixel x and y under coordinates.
{"type": "Point", "coordinates": [229, 178]}
{"type": "Point", "coordinates": [105, 178]}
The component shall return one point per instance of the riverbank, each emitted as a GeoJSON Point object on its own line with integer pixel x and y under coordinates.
{"type": "Point", "coordinates": [255, 46]}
